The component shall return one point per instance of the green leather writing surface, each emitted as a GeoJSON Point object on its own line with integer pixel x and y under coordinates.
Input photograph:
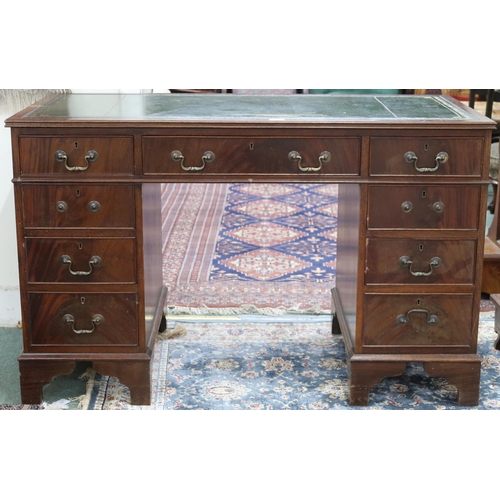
{"type": "Point", "coordinates": [228, 107]}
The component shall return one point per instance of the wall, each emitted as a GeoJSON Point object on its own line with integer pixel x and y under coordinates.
{"type": "Point", "coordinates": [10, 309]}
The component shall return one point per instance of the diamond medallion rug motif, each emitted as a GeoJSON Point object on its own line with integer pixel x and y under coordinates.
{"type": "Point", "coordinates": [268, 245]}
{"type": "Point", "coordinates": [282, 365]}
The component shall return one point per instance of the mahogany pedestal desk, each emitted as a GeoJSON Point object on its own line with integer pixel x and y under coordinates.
{"type": "Point", "coordinates": [413, 180]}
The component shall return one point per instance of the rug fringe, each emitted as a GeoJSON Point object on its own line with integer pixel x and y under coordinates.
{"type": "Point", "coordinates": [177, 331]}
{"type": "Point", "coordinates": [85, 399]}
{"type": "Point", "coordinates": [61, 404]}
{"type": "Point", "coordinates": [244, 309]}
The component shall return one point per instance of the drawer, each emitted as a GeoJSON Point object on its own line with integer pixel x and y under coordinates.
{"type": "Point", "coordinates": [417, 320]}
{"type": "Point", "coordinates": [422, 262]}
{"type": "Point", "coordinates": [242, 156]}
{"type": "Point", "coordinates": [423, 207]}
{"type": "Point", "coordinates": [426, 156]}
{"type": "Point", "coordinates": [99, 319]}
{"type": "Point", "coordinates": [77, 206]}
{"type": "Point", "coordinates": [92, 156]}
{"type": "Point", "coordinates": [81, 260]}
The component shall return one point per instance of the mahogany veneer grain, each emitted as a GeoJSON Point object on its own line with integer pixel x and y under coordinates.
{"type": "Point", "coordinates": [251, 138]}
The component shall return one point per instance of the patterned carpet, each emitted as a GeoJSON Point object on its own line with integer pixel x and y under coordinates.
{"type": "Point", "coordinates": [21, 407]}
{"type": "Point", "coordinates": [282, 366]}
{"type": "Point", "coordinates": [265, 245]}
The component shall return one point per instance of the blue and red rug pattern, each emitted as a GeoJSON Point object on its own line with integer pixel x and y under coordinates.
{"type": "Point", "coordinates": [277, 232]}
{"type": "Point", "coordinates": [263, 245]}
{"type": "Point", "coordinates": [283, 366]}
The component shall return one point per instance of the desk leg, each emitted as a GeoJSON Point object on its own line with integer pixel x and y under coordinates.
{"type": "Point", "coordinates": [134, 374]}
{"type": "Point", "coordinates": [336, 330]}
{"type": "Point", "coordinates": [163, 324]}
{"type": "Point", "coordinates": [464, 376]}
{"type": "Point", "coordinates": [364, 375]}
{"type": "Point", "coordinates": [496, 301]}
{"type": "Point", "coordinates": [35, 374]}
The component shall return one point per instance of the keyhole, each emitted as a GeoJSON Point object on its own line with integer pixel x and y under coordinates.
{"type": "Point", "coordinates": [424, 194]}
{"type": "Point", "coordinates": [76, 145]}
{"type": "Point", "coordinates": [418, 302]}
{"type": "Point", "coordinates": [82, 300]}
{"type": "Point", "coordinates": [252, 146]}
{"type": "Point", "coordinates": [77, 192]}
{"type": "Point", "coordinates": [426, 147]}
{"type": "Point", "coordinates": [420, 248]}
{"type": "Point", "coordinates": [80, 246]}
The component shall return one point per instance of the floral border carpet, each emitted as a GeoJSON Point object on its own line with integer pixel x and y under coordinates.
{"type": "Point", "coordinates": [265, 245]}
{"type": "Point", "coordinates": [252, 365]}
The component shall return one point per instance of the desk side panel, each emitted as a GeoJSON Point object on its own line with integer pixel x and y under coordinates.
{"type": "Point", "coordinates": [152, 279]}
{"type": "Point", "coordinates": [347, 252]}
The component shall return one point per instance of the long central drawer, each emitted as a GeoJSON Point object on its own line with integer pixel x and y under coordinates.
{"type": "Point", "coordinates": [215, 155]}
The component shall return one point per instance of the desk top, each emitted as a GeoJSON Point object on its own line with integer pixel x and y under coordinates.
{"type": "Point", "coordinates": [294, 110]}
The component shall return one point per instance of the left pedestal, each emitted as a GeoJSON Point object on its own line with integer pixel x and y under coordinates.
{"type": "Point", "coordinates": [89, 258]}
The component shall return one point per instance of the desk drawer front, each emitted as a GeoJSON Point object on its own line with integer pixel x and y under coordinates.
{"type": "Point", "coordinates": [67, 206]}
{"type": "Point", "coordinates": [84, 156]}
{"type": "Point", "coordinates": [83, 319]}
{"type": "Point", "coordinates": [426, 156]}
{"type": "Point", "coordinates": [81, 260]}
{"type": "Point", "coordinates": [418, 320]}
{"type": "Point", "coordinates": [421, 262]}
{"type": "Point", "coordinates": [423, 207]}
{"type": "Point", "coordinates": [214, 155]}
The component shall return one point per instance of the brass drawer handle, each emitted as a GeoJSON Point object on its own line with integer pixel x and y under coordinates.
{"type": "Point", "coordinates": [438, 207]}
{"type": "Point", "coordinates": [295, 157]}
{"type": "Point", "coordinates": [94, 206]}
{"type": "Point", "coordinates": [403, 319]}
{"type": "Point", "coordinates": [61, 206]}
{"type": "Point", "coordinates": [90, 157]}
{"type": "Point", "coordinates": [406, 206]}
{"type": "Point", "coordinates": [405, 261]}
{"type": "Point", "coordinates": [95, 261]}
{"type": "Point", "coordinates": [97, 320]}
{"type": "Point", "coordinates": [411, 157]}
{"type": "Point", "coordinates": [207, 157]}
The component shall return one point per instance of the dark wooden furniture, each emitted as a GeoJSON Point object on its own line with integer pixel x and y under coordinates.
{"type": "Point", "coordinates": [413, 175]}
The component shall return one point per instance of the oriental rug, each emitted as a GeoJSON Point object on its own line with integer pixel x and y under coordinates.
{"type": "Point", "coordinates": [270, 247]}
{"type": "Point", "coordinates": [283, 365]}
{"type": "Point", "coordinates": [21, 407]}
